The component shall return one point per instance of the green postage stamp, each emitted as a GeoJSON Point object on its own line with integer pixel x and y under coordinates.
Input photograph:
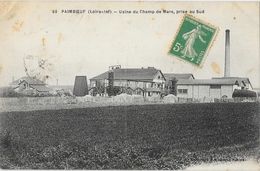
{"type": "Point", "coordinates": [193, 40]}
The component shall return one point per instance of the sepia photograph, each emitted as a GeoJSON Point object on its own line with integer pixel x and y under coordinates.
{"type": "Point", "coordinates": [130, 85]}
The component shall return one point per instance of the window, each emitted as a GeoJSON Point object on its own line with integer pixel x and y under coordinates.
{"type": "Point", "coordinates": [183, 91]}
{"type": "Point", "coordinates": [98, 83]}
{"type": "Point", "coordinates": [159, 76]}
{"type": "Point", "coordinates": [148, 85]}
{"type": "Point", "coordinates": [215, 86]}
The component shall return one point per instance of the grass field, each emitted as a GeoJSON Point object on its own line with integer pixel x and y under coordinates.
{"type": "Point", "coordinates": [160, 136]}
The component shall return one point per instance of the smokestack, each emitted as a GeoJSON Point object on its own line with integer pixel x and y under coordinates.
{"type": "Point", "coordinates": [227, 54]}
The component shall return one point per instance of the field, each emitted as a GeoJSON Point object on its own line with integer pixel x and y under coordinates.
{"type": "Point", "coordinates": [158, 136]}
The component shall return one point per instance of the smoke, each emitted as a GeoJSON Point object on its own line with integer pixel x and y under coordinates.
{"type": "Point", "coordinates": [41, 68]}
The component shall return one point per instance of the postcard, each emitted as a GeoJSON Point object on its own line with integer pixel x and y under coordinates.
{"type": "Point", "coordinates": [130, 85]}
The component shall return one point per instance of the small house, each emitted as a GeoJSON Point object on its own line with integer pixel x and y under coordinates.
{"type": "Point", "coordinates": [30, 86]}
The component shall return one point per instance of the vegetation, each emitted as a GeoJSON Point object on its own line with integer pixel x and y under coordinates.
{"type": "Point", "coordinates": [244, 93]}
{"type": "Point", "coordinates": [113, 90]}
{"type": "Point", "coordinates": [129, 137]}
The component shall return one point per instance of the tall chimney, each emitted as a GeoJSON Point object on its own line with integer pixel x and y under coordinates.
{"type": "Point", "coordinates": [227, 54]}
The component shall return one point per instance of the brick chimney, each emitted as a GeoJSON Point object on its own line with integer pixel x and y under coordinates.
{"type": "Point", "coordinates": [227, 54]}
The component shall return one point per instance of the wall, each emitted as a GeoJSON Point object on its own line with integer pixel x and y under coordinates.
{"type": "Point", "coordinates": [194, 91]}
{"type": "Point", "coordinates": [203, 91]}
{"type": "Point", "coordinates": [227, 90]}
{"type": "Point", "coordinates": [215, 92]}
{"type": "Point", "coordinates": [188, 87]}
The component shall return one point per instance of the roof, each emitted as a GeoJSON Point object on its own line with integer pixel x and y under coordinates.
{"type": "Point", "coordinates": [178, 76]}
{"type": "Point", "coordinates": [144, 74]}
{"type": "Point", "coordinates": [29, 80]}
{"type": "Point", "coordinates": [41, 88]}
{"type": "Point", "coordinates": [239, 79]}
{"type": "Point", "coordinates": [206, 82]}
{"type": "Point", "coordinates": [169, 76]}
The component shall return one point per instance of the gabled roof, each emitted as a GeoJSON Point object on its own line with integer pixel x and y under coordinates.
{"type": "Point", "coordinates": [144, 74]}
{"type": "Point", "coordinates": [207, 82]}
{"type": "Point", "coordinates": [29, 80]}
{"type": "Point", "coordinates": [241, 80]}
{"type": "Point", "coordinates": [168, 76]}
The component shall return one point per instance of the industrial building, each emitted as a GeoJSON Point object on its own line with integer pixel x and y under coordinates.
{"type": "Point", "coordinates": [151, 81]}
{"type": "Point", "coordinates": [208, 88]}
{"type": "Point", "coordinates": [143, 81]}
{"type": "Point", "coordinates": [217, 87]}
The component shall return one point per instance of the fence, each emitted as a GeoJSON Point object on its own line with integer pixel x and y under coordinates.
{"type": "Point", "coordinates": [42, 103]}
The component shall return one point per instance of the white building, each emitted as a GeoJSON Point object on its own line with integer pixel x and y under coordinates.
{"type": "Point", "coordinates": [210, 88]}
{"type": "Point", "coordinates": [145, 81]}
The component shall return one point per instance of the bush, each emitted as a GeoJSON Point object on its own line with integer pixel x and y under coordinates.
{"type": "Point", "coordinates": [170, 99]}
{"type": "Point", "coordinates": [244, 93]}
{"type": "Point", "coordinates": [113, 90]}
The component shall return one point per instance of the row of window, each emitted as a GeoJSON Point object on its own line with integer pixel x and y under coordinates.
{"type": "Point", "coordinates": [215, 86]}
{"type": "Point", "coordinates": [182, 91]}
{"type": "Point", "coordinates": [135, 83]}
{"type": "Point", "coordinates": [154, 85]}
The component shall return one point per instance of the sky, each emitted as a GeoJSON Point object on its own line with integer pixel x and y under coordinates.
{"type": "Point", "coordinates": [87, 44]}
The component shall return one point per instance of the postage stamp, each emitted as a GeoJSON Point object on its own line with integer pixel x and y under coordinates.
{"type": "Point", "coordinates": [193, 40]}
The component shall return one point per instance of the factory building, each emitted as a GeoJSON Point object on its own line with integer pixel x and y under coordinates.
{"type": "Point", "coordinates": [143, 81]}
{"type": "Point", "coordinates": [217, 87]}
{"type": "Point", "coordinates": [208, 88]}
{"type": "Point", "coordinates": [149, 81]}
